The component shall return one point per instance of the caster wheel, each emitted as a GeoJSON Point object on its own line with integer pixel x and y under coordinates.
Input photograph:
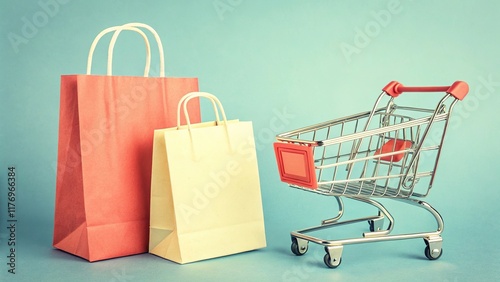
{"type": "Point", "coordinates": [372, 227]}
{"type": "Point", "coordinates": [328, 263]}
{"type": "Point", "coordinates": [376, 225]}
{"type": "Point", "coordinates": [433, 255]}
{"type": "Point", "coordinates": [298, 251]}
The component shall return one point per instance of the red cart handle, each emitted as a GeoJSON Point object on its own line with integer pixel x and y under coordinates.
{"type": "Point", "coordinates": [458, 89]}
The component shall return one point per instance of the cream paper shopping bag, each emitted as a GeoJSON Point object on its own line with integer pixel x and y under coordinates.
{"type": "Point", "coordinates": [205, 192]}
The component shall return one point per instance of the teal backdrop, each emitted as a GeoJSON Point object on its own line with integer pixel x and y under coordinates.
{"type": "Point", "coordinates": [282, 64]}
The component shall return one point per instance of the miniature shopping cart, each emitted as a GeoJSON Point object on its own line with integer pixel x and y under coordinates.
{"type": "Point", "coordinates": [391, 151]}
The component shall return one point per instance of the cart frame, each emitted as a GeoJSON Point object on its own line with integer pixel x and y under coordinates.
{"type": "Point", "coordinates": [391, 157]}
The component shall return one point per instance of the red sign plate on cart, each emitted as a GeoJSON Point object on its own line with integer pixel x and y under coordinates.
{"type": "Point", "coordinates": [296, 164]}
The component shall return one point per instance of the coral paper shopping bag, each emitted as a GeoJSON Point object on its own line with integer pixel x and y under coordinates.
{"type": "Point", "coordinates": [205, 190]}
{"type": "Point", "coordinates": [106, 127]}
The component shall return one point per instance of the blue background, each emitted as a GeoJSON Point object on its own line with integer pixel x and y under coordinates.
{"type": "Point", "coordinates": [283, 65]}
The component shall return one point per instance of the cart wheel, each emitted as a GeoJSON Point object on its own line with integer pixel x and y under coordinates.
{"type": "Point", "coordinates": [376, 224]}
{"type": "Point", "coordinates": [298, 251]}
{"type": "Point", "coordinates": [328, 263]}
{"type": "Point", "coordinates": [433, 255]}
{"type": "Point", "coordinates": [372, 227]}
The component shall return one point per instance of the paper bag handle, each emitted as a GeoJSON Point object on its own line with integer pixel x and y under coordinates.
{"type": "Point", "coordinates": [183, 99]}
{"type": "Point", "coordinates": [116, 29]}
{"type": "Point", "coordinates": [215, 102]}
{"type": "Point", "coordinates": [136, 25]}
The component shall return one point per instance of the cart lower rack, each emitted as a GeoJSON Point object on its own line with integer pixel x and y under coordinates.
{"type": "Point", "coordinates": [390, 152]}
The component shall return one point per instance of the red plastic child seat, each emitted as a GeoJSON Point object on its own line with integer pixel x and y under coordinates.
{"type": "Point", "coordinates": [393, 145]}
